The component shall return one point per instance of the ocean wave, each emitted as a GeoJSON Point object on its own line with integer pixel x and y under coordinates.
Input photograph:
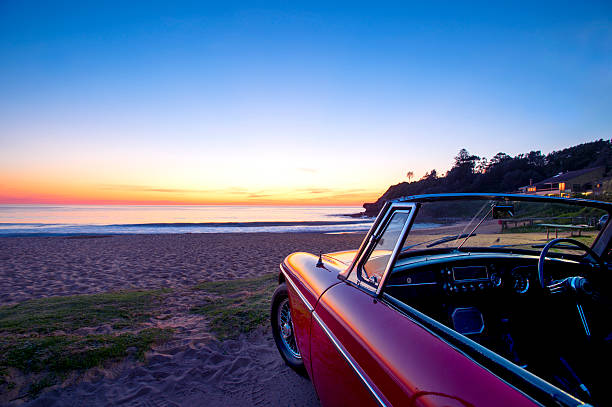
{"type": "Point", "coordinates": [163, 228]}
{"type": "Point", "coordinates": [242, 224]}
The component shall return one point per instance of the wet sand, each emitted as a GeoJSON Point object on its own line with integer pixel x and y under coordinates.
{"type": "Point", "coordinates": [192, 369]}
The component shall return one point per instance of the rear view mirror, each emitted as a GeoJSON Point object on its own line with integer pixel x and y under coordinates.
{"type": "Point", "coordinates": [503, 211]}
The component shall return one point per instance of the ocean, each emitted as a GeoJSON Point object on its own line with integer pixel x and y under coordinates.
{"type": "Point", "coordinates": [66, 220]}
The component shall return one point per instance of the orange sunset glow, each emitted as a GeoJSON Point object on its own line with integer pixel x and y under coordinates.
{"type": "Point", "coordinates": [27, 191]}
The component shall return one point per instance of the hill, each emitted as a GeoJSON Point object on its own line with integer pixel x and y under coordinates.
{"type": "Point", "coordinates": [502, 173]}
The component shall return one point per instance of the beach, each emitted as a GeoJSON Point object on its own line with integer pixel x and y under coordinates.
{"type": "Point", "coordinates": [33, 267]}
{"type": "Point", "coordinates": [193, 367]}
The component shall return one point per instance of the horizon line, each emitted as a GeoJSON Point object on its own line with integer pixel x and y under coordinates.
{"type": "Point", "coordinates": [132, 203]}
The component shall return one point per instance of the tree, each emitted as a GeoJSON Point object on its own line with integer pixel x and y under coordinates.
{"type": "Point", "coordinates": [465, 158]}
{"type": "Point", "coordinates": [465, 162]}
{"type": "Point", "coordinates": [410, 174]}
{"type": "Point", "coordinates": [433, 174]}
{"type": "Point", "coordinates": [536, 159]}
{"type": "Point", "coordinates": [499, 158]}
{"type": "Point", "coordinates": [502, 173]}
{"type": "Point", "coordinates": [481, 166]}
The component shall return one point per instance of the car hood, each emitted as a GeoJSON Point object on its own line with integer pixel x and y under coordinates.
{"type": "Point", "coordinates": [345, 257]}
{"type": "Point", "coordinates": [313, 278]}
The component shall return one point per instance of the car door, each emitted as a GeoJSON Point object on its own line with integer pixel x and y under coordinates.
{"type": "Point", "coordinates": [366, 351]}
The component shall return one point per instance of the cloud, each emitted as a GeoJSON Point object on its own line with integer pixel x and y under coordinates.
{"type": "Point", "coordinates": [240, 194]}
{"type": "Point", "coordinates": [331, 191]}
{"type": "Point", "coordinates": [309, 170]}
{"type": "Point", "coordinates": [316, 190]}
{"type": "Point", "coordinates": [148, 188]}
{"type": "Point", "coordinates": [145, 188]}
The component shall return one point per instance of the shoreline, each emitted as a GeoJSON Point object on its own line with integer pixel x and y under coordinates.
{"type": "Point", "coordinates": [49, 230]}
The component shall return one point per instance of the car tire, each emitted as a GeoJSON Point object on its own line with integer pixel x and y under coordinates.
{"type": "Point", "coordinates": [282, 329]}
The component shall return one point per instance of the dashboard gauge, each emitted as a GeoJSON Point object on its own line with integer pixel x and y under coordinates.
{"type": "Point", "coordinates": [521, 284]}
{"type": "Point", "coordinates": [496, 279]}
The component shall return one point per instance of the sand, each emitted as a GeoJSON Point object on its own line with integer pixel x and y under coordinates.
{"type": "Point", "coordinates": [192, 369]}
{"type": "Point", "coordinates": [32, 267]}
{"type": "Point", "coordinates": [243, 372]}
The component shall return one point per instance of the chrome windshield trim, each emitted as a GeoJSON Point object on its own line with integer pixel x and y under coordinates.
{"type": "Point", "coordinates": [365, 243]}
{"type": "Point", "coordinates": [349, 359]}
{"type": "Point", "coordinates": [371, 240]}
{"type": "Point", "coordinates": [296, 289]}
{"type": "Point", "coordinates": [398, 244]}
{"type": "Point", "coordinates": [607, 206]}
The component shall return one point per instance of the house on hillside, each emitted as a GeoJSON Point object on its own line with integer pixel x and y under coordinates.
{"type": "Point", "coordinates": [586, 181]}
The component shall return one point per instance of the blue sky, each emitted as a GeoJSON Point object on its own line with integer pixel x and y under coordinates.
{"type": "Point", "coordinates": [270, 98]}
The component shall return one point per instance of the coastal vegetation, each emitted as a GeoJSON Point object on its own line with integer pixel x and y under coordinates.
{"type": "Point", "coordinates": [49, 338]}
{"type": "Point", "coordinates": [236, 306]}
{"type": "Point", "coordinates": [502, 173]}
{"type": "Point", "coordinates": [43, 341]}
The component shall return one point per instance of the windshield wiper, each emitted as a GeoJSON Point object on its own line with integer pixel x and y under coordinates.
{"type": "Point", "coordinates": [436, 242]}
{"type": "Point", "coordinates": [476, 227]}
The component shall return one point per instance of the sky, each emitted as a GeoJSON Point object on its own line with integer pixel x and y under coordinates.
{"type": "Point", "coordinates": [319, 103]}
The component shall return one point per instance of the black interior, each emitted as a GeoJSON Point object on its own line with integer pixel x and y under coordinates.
{"type": "Point", "coordinates": [495, 299]}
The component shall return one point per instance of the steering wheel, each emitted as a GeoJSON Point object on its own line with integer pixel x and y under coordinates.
{"type": "Point", "coordinates": [577, 284]}
{"type": "Point", "coordinates": [554, 243]}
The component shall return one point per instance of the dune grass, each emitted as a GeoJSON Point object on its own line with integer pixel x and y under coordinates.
{"type": "Point", "coordinates": [41, 335]}
{"type": "Point", "coordinates": [64, 353]}
{"type": "Point", "coordinates": [237, 306]}
{"type": "Point", "coordinates": [44, 337]}
{"type": "Point", "coordinates": [46, 315]}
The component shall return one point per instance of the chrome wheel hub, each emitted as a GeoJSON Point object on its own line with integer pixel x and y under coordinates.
{"type": "Point", "coordinates": [286, 330]}
{"type": "Point", "coordinates": [285, 325]}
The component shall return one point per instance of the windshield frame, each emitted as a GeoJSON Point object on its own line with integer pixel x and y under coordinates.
{"type": "Point", "coordinates": [599, 245]}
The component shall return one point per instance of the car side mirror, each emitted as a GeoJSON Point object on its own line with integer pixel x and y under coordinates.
{"type": "Point", "coordinates": [503, 211]}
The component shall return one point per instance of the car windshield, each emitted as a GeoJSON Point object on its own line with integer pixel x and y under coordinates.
{"type": "Point", "coordinates": [500, 224]}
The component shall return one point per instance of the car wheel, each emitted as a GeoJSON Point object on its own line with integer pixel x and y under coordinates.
{"type": "Point", "coordinates": [282, 329]}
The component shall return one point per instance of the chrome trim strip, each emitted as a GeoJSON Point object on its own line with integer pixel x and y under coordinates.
{"type": "Point", "coordinates": [360, 373]}
{"type": "Point", "coordinates": [410, 285]}
{"type": "Point", "coordinates": [288, 279]}
{"type": "Point", "coordinates": [585, 324]}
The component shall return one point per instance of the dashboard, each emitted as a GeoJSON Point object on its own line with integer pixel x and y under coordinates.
{"type": "Point", "coordinates": [461, 275]}
{"type": "Point", "coordinates": [487, 296]}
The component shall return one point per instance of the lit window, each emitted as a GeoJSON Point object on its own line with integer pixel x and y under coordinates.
{"type": "Point", "coordinates": [561, 186]}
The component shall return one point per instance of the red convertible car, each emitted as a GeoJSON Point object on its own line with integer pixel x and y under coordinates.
{"type": "Point", "coordinates": [457, 300]}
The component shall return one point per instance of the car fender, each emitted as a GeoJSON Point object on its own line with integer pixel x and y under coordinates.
{"type": "Point", "coordinates": [307, 279]}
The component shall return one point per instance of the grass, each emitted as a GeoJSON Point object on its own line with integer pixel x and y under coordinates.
{"type": "Point", "coordinates": [526, 229]}
{"type": "Point", "coordinates": [39, 336]}
{"type": "Point", "coordinates": [64, 353]}
{"type": "Point", "coordinates": [39, 385]}
{"type": "Point", "coordinates": [586, 239]}
{"type": "Point", "coordinates": [123, 309]}
{"type": "Point", "coordinates": [237, 306]}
